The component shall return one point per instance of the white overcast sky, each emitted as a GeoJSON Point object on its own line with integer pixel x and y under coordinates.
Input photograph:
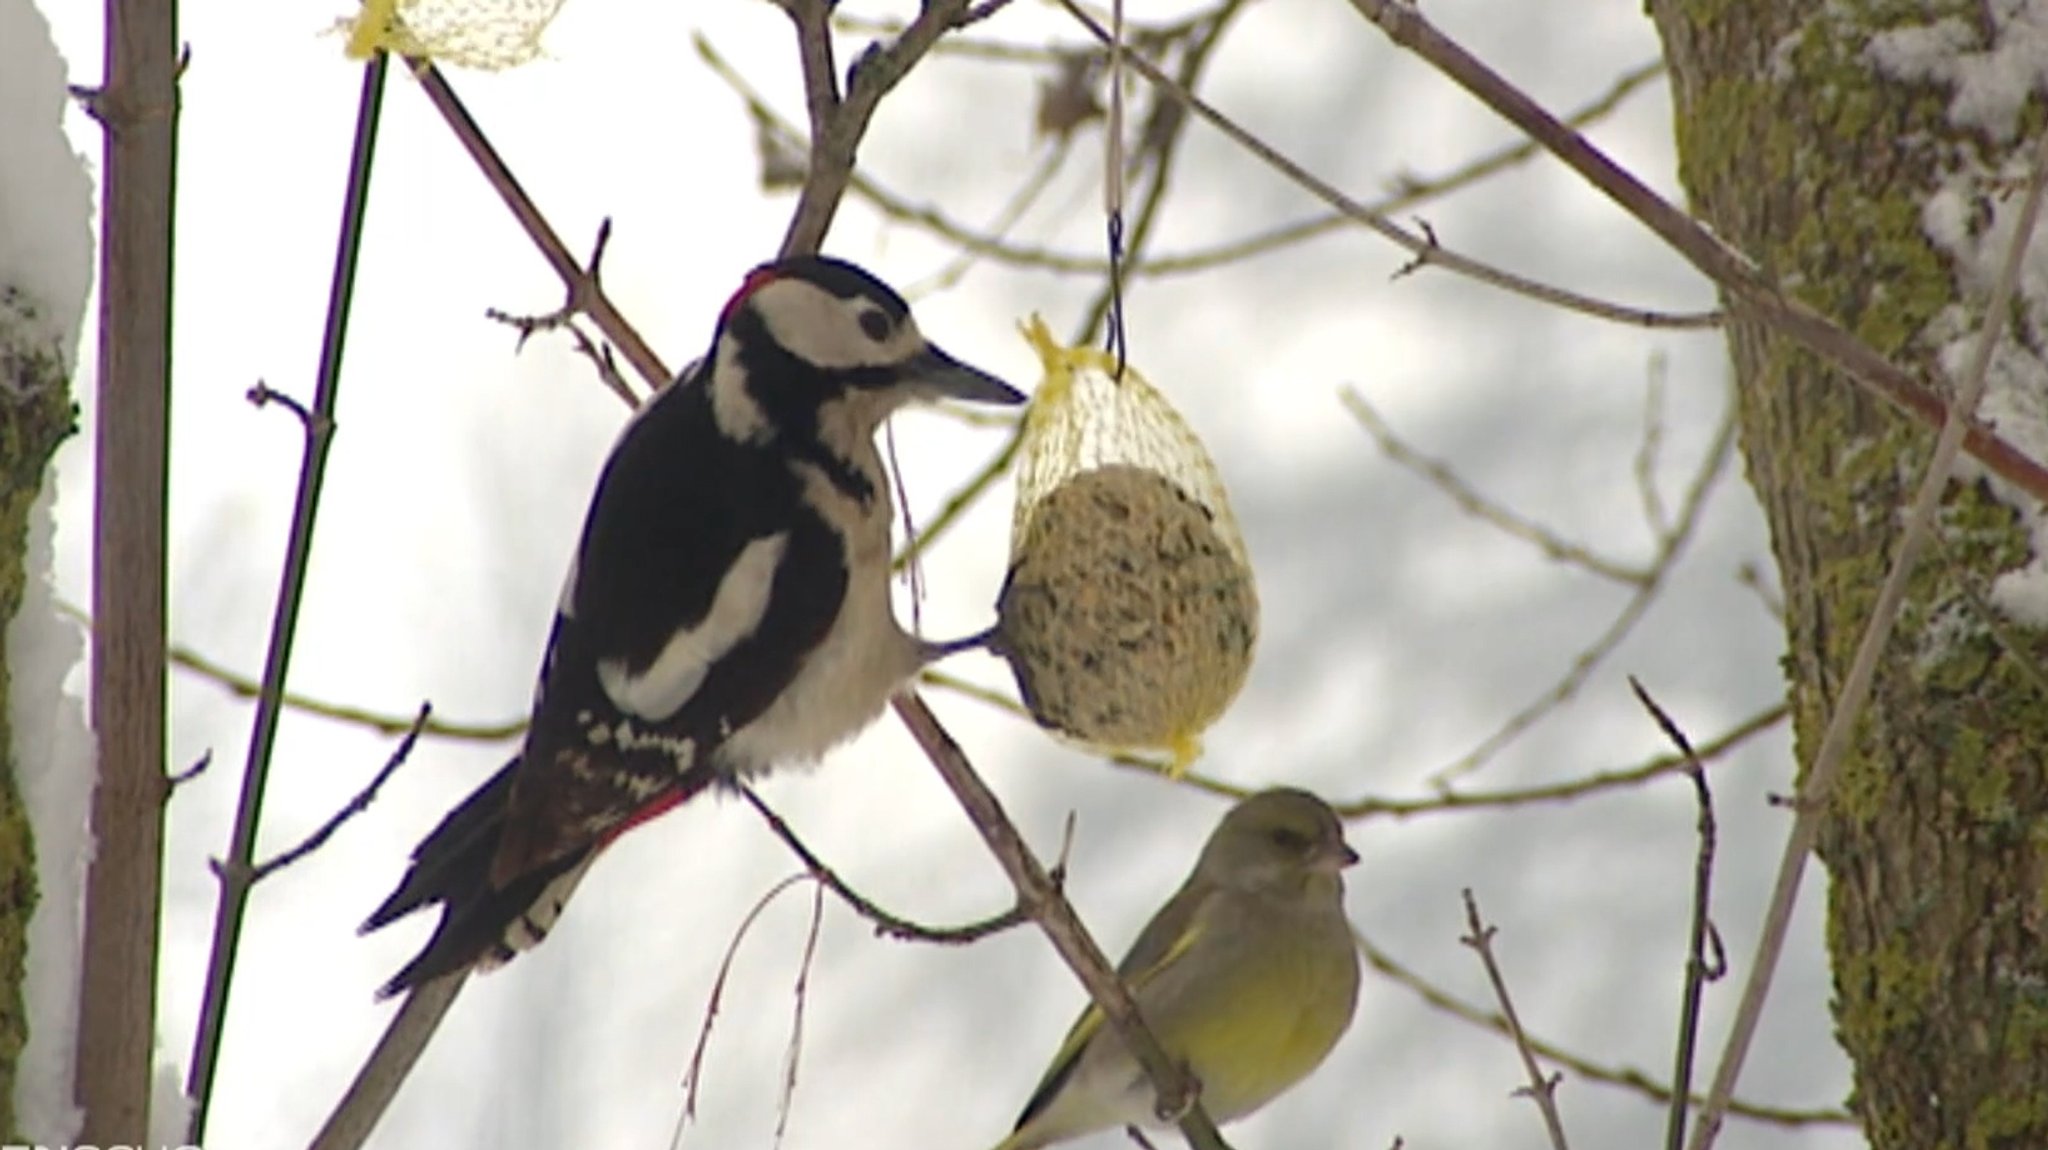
{"type": "Point", "coordinates": [1397, 632]}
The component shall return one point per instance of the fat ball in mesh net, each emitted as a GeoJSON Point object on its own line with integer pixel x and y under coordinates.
{"type": "Point", "coordinates": [1130, 613]}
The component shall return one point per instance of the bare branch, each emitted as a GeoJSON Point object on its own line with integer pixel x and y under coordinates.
{"type": "Point", "coordinates": [1624, 1077]}
{"type": "Point", "coordinates": [178, 779]}
{"type": "Point", "coordinates": [693, 1076]}
{"type": "Point", "coordinates": [354, 807]}
{"type": "Point", "coordinates": [1652, 445]}
{"type": "Point", "coordinates": [1409, 190]}
{"type": "Point", "coordinates": [1583, 786]}
{"type": "Point", "coordinates": [262, 395]}
{"type": "Point", "coordinates": [1542, 1087]}
{"type": "Point", "coordinates": [318, 427]}
{"type": "Point", "coordinates": [1446, 479]}
{"type": "Point", "coordinates": [887, 924]}
{"type": "Point", "coordinates": [1425, 251]}
{"type": "Point", "coordinates": [384, 723]}
{"type": "Point", "coordinates": [837, 125]}
{"type": "Point", "coordinates": [586, 294]}
{"type": "Point", "coordinates": [1737, 275]}
{"type": "Point", "coordinates": [1699, 968]}
{"type": "Point", "coordinates": [801, 993]}
{"type": "Point", "coordinates": [1632, 612]}
{"type": "Point", "coordinates": [1178, 1093]}
{"type": "Point", "coordinates": [564, 317]}
{"type": "Point", "coordinates": [377, 1083]}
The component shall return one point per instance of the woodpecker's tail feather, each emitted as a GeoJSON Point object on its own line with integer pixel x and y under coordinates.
{"type": "Point", "coordinates": [481, 925]}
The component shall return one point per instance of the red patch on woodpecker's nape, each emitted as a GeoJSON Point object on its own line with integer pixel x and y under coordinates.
{"type": "Point", "coordinates": [757, 279]}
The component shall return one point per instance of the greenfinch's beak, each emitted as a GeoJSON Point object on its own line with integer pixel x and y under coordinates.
{"type": "Point", "coordinates": [1330, 861]}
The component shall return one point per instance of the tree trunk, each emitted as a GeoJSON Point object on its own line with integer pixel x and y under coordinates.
{"type": "Point", "coordinates": [35, 416]}
{"type": "Point", "coordinates": [1798, 149]}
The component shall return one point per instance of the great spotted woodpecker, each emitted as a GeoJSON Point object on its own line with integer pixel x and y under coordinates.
{"type": "Point", "coordinates": [727, 610]}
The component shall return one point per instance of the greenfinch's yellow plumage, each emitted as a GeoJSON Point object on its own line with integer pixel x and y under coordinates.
{"type": "Point", "coordinates": [1247, 976]}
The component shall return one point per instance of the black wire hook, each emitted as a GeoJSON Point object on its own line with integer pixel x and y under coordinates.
{"type": "Point", "coordinates": [1115, 341]}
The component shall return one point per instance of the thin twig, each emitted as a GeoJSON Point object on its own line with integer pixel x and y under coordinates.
{"type": "Point", "coordinates": [964, 47]}
{"type": "Point", "coordinates": [1422, 248]}
{"type": "Point", "coordinates": [586, 294]}
{"type": "Point", "coordinates": [178, 779]}
{"type": "Point", "coordinates": [1624, 1077]}
{"type": "Point", "coordinates": [1165, 149]}
{"type": "Point", "coordinates": [1542, 1087]}
{"type": "Point", "coordinates": [1567, 790]}
{"type": "Point", "coordinates": [793, 1055]}
{"type": "Point", "coordinates": [1704, 961]}
{"type": "Point", "coordinates": [886, 924]}
{"type": "Point", "coordinates": [693, 1076]}
{"type": "Point", "coordinates": [377, 1083]}
{"type": "Point", "coordinates": [1814, 790]}
{"type": "Point", "coordinates": [1020, 202]}
{"type": "Point", "coordinates": [383, 722]}
{"type": "Point", "coordinates": [1178, 1094]}
{"type": "Point", "coordinates": [1409, 191]}
{"type": "Point", "coordinates": [263, 395]}
{"type": "Point", "coordinates": [1741, 281]}
{"type": "Point", "coordinates": [1588, 660]}
{"type": "Point", "coordinates": [1446, 479]}
{"type": "Point", "coordinates": [589, 281]}
{"type": "Point", "coordinates": [351, 809]}
{"type": "Point", "coordinates": [234, 889]}
{"type": "Point", "coordinates": [1652, 445]}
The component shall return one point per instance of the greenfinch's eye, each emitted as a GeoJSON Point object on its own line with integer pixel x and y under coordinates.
{"type": "Point", "coordinates": [1287, 838]}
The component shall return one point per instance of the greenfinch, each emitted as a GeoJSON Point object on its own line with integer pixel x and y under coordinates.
{"type": "Point", "coordinates": [1247, 976]}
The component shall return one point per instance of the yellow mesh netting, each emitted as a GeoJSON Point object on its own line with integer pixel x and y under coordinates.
{"type": "Point", "coordinates": [1130, 612]}
{"type": "Point", "coordinates": [488, 34]}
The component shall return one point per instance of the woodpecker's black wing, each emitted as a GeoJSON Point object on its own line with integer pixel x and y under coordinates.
{"type": "Point", "coordinates": [701, 580]}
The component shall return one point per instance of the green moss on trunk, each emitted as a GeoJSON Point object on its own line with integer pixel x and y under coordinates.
{"type": "Point", "coordinates": [36, 415]}
{"type": "Point", "coordinates": [1795, 148]}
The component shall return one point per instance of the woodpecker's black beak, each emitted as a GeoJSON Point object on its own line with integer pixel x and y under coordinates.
{"type": "Point", "coordinates": [933, 374]}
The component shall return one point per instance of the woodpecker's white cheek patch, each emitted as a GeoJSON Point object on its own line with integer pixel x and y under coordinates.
{"type": "Point", "coordinates": [736, 610]}
{"type": "Point", "coordinates": [824, 330]}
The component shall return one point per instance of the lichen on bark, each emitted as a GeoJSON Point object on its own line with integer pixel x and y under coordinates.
{"type": "Point", "coordinates": [1798, 150]}
{"type": "Point", "coordinates": [36, 414]}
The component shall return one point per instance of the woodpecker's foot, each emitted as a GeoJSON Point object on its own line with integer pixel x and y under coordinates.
{"type": "Point", "coordinates": [933, 652]}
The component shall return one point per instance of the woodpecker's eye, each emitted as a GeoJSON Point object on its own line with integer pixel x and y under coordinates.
{"type": "Point", "coordinates": [875, 324]}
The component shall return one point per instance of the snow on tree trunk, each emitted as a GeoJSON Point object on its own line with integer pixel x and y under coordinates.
{"type": "Point", "coordinates": [1872, 157]}
{"type": "Point", "coordinates": [46, 759]}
